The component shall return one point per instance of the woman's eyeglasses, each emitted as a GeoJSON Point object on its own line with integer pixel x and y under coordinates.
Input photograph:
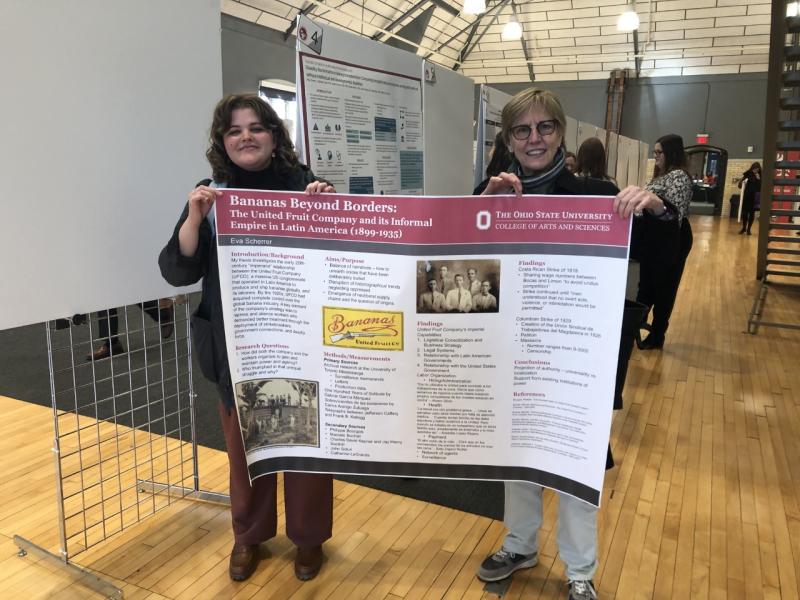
{"type": "Point", "coordinates": [523, 132]}
{"type": "Point", "coordinates": [658, 152]}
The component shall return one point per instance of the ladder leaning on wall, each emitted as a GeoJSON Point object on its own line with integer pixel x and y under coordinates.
{"type": "Point", "coordinates": [778, 259]}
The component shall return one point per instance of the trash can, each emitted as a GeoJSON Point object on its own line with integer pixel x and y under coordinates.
{"type": "Point", "coordinates": [734, 206]}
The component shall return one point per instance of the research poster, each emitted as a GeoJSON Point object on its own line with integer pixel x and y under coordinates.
{"type": "Point", "coordinates": [361, 123]}
{"type": "Point", "coordinates": [453, 337]}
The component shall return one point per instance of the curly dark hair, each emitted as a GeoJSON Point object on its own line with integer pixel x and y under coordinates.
{"type": "Point", "coordinates": [284, 157]}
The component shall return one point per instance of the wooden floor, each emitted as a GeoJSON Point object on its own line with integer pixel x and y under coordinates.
{"type": "Point", "coordinates": [704, 502]}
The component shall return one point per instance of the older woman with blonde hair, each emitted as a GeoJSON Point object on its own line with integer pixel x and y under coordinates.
{"type": "Point", "coordinates": [533, 126]}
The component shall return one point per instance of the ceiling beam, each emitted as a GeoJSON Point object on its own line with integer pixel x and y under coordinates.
{"type": "Point", "coordinates": [414, 30]}
{"type": "Point", "coordinates": [438, 3]}
{"type": "Point", "coordinates": [452, 10]}
{"type": "Point", "coordinates": [321, 4]}
{"type": "Point", "coordinates": [468, 48]}
{"type": "Point", "coordinates": [527, 54]}
{"type": "Point", "coordinates": [398, 20]}
{"type": "Point", "coordinates": [303, 11]}
{"type": "Point", "coordinates": [325, 8]}
{"type": "Point", "coordinates": [461, 31]}
{"type": "Point", "coordinates": [461, 55]}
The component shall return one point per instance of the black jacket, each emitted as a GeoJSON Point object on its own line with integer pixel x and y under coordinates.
{"type": "Point", "coordinates": [208, 326]}
{"type": "Point", "coordinates": [753, 187]}
{"type": "Point", "coordinates": [567, 184]}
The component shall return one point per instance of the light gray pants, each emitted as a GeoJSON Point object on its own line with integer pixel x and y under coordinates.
{"type": "Point", "coordinates": [577, 527]}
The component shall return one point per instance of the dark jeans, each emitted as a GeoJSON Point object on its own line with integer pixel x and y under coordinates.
{"type": "Point", "coordinates": [748, 215]}
{"type": "Point", "coordinates": [659, 282]}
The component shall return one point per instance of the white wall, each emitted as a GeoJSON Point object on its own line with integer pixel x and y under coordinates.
{"type": "Point", "coordinates": [106, 106]}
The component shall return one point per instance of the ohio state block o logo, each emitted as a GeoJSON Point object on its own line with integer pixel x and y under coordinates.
{"type": "Point", "coordinates": [483, 220]}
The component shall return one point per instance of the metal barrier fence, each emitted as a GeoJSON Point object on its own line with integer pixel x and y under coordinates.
{"type": "Point", "coordinates": [123, 417]}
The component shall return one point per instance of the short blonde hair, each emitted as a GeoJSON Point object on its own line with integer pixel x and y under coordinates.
{"type": "Point", "coordinates": [524, 101]}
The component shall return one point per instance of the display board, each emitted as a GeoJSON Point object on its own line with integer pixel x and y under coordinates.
{"type": "Point", "coordinates": [360, 111]}
{"type": "Point", "coordinates": [585, 131]}
{"type": "Point", "coordinates": [490, 109]}
{"type": "Point", "coordinates": [644, 155]}
{"type": "Point", "coordinates": [611, 155]}
{"type": "Point", "coordinates": [633, 162]}
{"type": "Point", "coordinates": [447, 100]}
{"type": "Point", "coordinates": [107, 107]}
{"type": "Point", "coordinates": [374, 119]}
{"type": "Point", "coordinates": [624, 151]}
{"type": "Point", "coordinates": [571, 135]}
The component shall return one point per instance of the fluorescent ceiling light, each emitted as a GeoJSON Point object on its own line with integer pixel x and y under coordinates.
{"type": "Point", "coordinates": [512, 31]}
{"type": "Point", "coordinates": [628, 21]}
{"type": "Point", "coordinates": [474, 7]}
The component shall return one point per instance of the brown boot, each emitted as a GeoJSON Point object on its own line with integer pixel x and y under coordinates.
{"type": "Point", "coordinates": [308, 562]}
{"type": "Point", "coordinates": [244, 560]}
{"type": "Point", "coordinates": [105, 351]}
{"type": "Point", "coordinates": [167, 316]}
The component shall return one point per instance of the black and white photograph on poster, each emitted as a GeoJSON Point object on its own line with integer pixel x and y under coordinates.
{"type": "Point", "coordinates": [278, 412]}
{"type": "Point", "coordinates": [458, 286]}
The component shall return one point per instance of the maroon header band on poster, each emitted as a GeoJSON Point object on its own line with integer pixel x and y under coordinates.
{"type": "Point", "coordinates": [423, 220]}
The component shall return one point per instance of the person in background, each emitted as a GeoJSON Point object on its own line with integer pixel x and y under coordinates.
{"type": "Point", "coordinates": [161, 311]}
{"type": "Point", "coordinates": [570, 162]}
{"type": "Point", "coordinates": [592, 160]}
{"type": "Point", "coordinates": [753, 188]}
{"type": "Point", "coordinates": [663, 261]}
{"type": "Point", "coordinates": [248, 148]}
{"type": "Point", "coordinates": [498, 163]}
{"type": "Point", "coordinates": [533, 125]}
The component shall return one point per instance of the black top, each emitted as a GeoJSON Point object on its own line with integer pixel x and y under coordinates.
{"type": "Point", "coordinates": [208, 329]}
{"type": "Point", "coordinates": [566, 184]}
{"type": "Point", "coordinates": [752, 188]}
